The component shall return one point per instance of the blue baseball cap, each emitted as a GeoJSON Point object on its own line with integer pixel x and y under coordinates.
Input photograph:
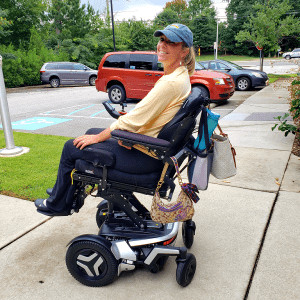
{"type": "Point", "coordinates": [177, 33]}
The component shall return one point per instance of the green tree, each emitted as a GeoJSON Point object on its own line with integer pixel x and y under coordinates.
{"type": "Point", "coordinates": [4, 24]}
{"type": "Point", "coordinates": [70, 18]}
{"type": "Point", "coordinates": [24, 15]}
{"type": "Point", "coordinates": [199, 8]}
{"type": "Point", "coordinates": [166, 17]}
{"type": "Point", "coordinates": [178, 6]}
{"type": "Point", "coordinates": [238, 12]}
{"type": "Point", "coordinates": [269, 25]}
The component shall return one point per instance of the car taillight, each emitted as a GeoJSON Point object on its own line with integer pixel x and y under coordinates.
{"type": "Point", "coordinates": [42, 71]}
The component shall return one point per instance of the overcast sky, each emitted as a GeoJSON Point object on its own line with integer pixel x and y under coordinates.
{"type": "Point", "coordinates": [143, 9]}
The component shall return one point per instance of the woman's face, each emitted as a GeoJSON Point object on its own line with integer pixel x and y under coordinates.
{"type": "Point", "coordinates": [170, 53]}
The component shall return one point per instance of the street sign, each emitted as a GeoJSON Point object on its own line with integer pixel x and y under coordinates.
{"type": "Point", "coordinates": [258, 47]}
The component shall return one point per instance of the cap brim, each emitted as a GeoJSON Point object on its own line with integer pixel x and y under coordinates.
{"type": "Point", "coordinates": [169, 34]}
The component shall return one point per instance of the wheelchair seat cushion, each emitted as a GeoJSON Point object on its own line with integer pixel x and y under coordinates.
{"type": "Point", "coordinates": [121, 159]}
{"type": "Point", "coordinates": [147, 180]}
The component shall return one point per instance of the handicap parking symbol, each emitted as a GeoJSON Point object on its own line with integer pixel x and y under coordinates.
{"type": "Point", "coordinates": [37, 123]}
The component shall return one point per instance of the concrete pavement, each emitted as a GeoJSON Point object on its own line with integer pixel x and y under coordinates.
{"type": "Point", "coordinates": [247, 239]}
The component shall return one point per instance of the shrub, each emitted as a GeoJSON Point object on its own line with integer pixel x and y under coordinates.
{"type": "Point", "coordinates": [294, 111]}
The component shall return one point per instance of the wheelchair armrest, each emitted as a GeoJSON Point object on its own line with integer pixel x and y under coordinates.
{"type": "Point", "coordinates": [130, 139]}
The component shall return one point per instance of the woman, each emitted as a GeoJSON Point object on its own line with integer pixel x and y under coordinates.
{"type": "Point", "coordinates": [175, 51]}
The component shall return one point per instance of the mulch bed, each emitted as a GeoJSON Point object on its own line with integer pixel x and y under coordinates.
{"type": "Point", "coordinates": [296, 145]}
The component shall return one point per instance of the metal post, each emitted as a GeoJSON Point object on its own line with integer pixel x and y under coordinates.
{"type": "Point", "coordinates": [112, 22]}
{"type": "Point", "coordinates": [217, 40]}
{"type": "Point", "coordinates": [10, 149]}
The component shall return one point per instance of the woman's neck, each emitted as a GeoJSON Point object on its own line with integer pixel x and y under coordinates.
{"type": "Point", "coordinates": [168, 69]}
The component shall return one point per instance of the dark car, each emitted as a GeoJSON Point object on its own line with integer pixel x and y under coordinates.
{"type": "Point", "coordinates": [244, 79]}
{"type": "Point", "coordinates": [57, 73]}
{"type": "Point", "coordinates": [133, 74]}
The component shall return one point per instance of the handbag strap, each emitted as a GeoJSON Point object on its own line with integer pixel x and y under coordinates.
{"type": "Point", "coordinates": [203, 127]}
{"type": "Point", "coordinates": [162, 176]}
{"type": "Point", "coordinates": [232, 148]}
{"type": "Point", "coordinates": [177, 170]}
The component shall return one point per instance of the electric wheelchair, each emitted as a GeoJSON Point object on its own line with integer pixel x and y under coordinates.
{"type": "Point", "coordinates": [127, 236]}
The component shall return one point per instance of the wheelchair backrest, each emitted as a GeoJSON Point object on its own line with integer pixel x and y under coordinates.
{"type": "Point", "coordinates": [180, 128]}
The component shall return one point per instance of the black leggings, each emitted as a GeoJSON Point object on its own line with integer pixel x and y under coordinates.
{"type": "Point", "coordinates": [127, 160]}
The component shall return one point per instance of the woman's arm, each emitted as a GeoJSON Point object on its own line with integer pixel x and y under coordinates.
{"type": "Point", "coordinates": [86, 140]}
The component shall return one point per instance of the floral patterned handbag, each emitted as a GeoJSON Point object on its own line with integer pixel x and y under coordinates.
{"type": "Point", "coordinates": [180, 210]}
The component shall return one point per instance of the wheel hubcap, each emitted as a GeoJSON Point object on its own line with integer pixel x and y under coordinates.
{"type": "Point", "coordinates": [116, 94]}
{"type": "Point", "coordinates": [93, 264]}
{"type": "Point", "coordinates": [243, 84]}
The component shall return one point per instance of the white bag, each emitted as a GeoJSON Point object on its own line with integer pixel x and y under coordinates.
{"type": "Point", "coordinates": [224, 164]}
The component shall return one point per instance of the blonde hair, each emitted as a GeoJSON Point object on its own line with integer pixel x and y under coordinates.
{"type": "Point", "coordinates": [190, 60]}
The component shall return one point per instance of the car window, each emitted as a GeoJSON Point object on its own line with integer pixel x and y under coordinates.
{"type": "Point", "coordinates": [212, 66]}
{"type": "Point", "coordinates": [115, 61]}
{"type": "Point", "coordinates": [141, 61]}
{"type": "Point", "coordinates": [221, 66]}
{"type": "Point", "coordinates": [199, 66]}
{"type": "Point", "coordinates": [160, 66]}
{"type": "Point", "coordinates": [51, 67]}
{"type": "Point", "coordinates": [205, 64]}
{"type": "Point", "coordinates": [65, 67]}
{"type": "Point", "coordinates": [79, 67]}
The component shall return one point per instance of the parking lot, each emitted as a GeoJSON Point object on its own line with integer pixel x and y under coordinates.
{"type": "Point", "coordinates": [70, 111]}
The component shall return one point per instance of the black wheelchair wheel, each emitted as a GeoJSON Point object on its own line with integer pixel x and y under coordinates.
{"type": "Point", "coordinates": [101, 214]}
{"type": "Point", "coordinates": [188, 232]}
{"type": "Point", "coordinates": [186, 270]}
{"type": "Point", "coordinates": [91, 263]}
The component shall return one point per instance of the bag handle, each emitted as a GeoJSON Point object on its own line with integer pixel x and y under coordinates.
{"type": "Point", "coordinates": [232, 148]}
{"type": "Point", "coordinates": [164, 171]}
{"type": "Point", "coordinates": [177, 170]}
{"type": "Point", "coordinates": [203, 127]}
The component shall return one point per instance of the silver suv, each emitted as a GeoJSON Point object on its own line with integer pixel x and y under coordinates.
{"type": "Point", "coordinates": [295, 53]}
{"type": "Point", "coordinates": [57, 73]}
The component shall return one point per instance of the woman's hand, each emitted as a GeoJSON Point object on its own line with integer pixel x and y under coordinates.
{"type": "Point", "coordinates": [86, 140]}
{"type": "Point", "coordinates": [89, 139]}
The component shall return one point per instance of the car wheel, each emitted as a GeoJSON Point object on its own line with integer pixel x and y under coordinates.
{"type": "Point", "coordinates": [243, 84]}
{"type": "Point", "coordinates": [204, 91]}
{"type": "Point", "coordinates": [92, 80]}
{"type": "Point", "coordinates": [54, 82]}
{"type": "Point", "coordinates": [288, 57]}
{"type": "Point", "coordinates": [116, 94]}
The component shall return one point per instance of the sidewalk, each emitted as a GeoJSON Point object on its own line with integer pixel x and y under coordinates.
{"type": "Point", "coordinates": [247, 239]}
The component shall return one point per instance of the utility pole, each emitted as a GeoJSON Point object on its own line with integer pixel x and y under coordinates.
{"type": "Point", "coordinates": [217, 41]}
{"type": "Point", "coordinates": [112, 22]}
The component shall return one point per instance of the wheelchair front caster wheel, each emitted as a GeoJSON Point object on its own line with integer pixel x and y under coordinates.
{"type": "Point", "coordinates": [188, 232]}
{"type": "Point", "coordinates": [91, 263]}
{"type": "Point", "coordinates": [186, 270]}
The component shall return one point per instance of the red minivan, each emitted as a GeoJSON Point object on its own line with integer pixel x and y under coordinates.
{"type": "Point", "coordinates": [133, 74]}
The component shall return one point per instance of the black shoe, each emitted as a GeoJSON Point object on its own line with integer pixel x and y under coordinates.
{"type": "Point", "coordinates": [41, 204]}
{"type": "Point", "coordinates": [51, 213]}
{"type": "Point", "coordinates": [49, 191]}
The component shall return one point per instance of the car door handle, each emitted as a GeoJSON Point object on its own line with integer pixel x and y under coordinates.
{"type": "Point", "coordinates": [158, 75]}
{"type": "Point", "coordinates": [148, 74]}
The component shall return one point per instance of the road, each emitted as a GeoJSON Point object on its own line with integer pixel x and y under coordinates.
{"type": "Point", "coordinates": [70, 111]}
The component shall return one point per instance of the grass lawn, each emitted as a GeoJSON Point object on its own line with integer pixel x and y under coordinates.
{"type": "Point", "coordinates": [29, 175]}
{"type": "Point", "coordinates": [274, 77]}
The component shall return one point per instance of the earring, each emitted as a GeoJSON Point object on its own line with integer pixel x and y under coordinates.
{"type": "Point", "coordinates": [180, 63]}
